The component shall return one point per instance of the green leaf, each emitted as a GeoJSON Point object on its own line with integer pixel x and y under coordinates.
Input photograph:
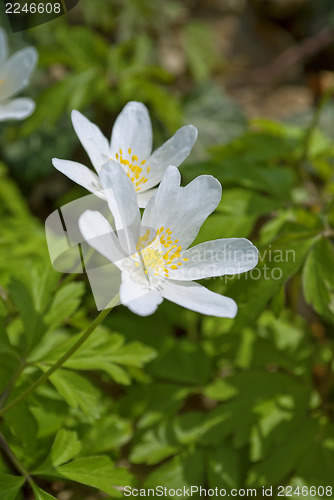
{"type": "Point", "coordinates": [184, 362]}
{"type": "Point", "coordinates": [32, 293]}
{"type": "Point", "coordinates": [10, 486]}
{"type": "Point", "coordinates": [22, 425]}
{"type": "Point", "coordinates": [258, 407]}
{"type": "Point", "coordinates": [66, 300]}
{"type": "Point", "coordinates": [238, 201]}
{"type": "Point", "coordinates": [318, 279]}
{"type": "Point", "coordinates": [220, 390]}
{"type": "Point", "coordinates": [169, 437]}
{"type": "Point", "coordinates": [50, 413]}
{"type": "Point", "coordinates": [98, 472]}
{"type": "Point", "coordinates": [77, 391]}
{"type": "Point", "coordinates": [111, 433]}
{"type": "Point", "coordinates": [156, 444]}
{"type": "Point", "coordinates": [285, 458]}
{"type": "Point", "coordinates": [184, 470]}
{"type": "Point", "coordinates": [277, 263]}
{"type": "Point", "coordinates": [5, 345]}
{"type": "Point", "coordinates": [65, 447]}
{"type": "Point", "coordinates": [225, 226]}
{"type": "Point", "coordinates": [251, 161]}
{"type": "Point", "coordinates": [217, 116]}
{"type": "Point", "coordinates": [152, 403]}
{"type": "Point", "coordinates": [200, 49]}
{"type": "Point", "coordinates": [41, 495]}
{"type": "Point", "coordinates": [224, 467]}
{"type": "Point", "coordinates": [297, 484]}
{"type": "Point", "coordinates": [32, 320]}
{"type": "Point", "coordinates": [42, 281]}
{"type": "Point", "coordinates": [236, 215]}
{"type": "Point", "coordinates": [105, 352]}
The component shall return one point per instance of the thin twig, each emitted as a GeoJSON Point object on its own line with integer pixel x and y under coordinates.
{"type": "Point", "coordinates": [15, 461]}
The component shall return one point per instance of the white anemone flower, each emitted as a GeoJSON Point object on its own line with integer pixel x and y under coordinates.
{"type": "Point", "coordinates": [131, 147]}
{"type": "Point", "coordinates": [15, 72]}
{"type": "Point", "coordinates": [151, 253]}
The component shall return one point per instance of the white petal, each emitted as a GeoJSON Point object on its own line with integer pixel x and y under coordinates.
{"type": "Point", "coordinates": [3, 46]}
{"type": "Point", "coordinates": [122, 200]}
{"type": "Point", "coordinates": [139, 300]}
{"type": "Point", "coordinates": [93, 141]}
{"type": "Point", "coordinates": [16, 71]}
{"type": "Point", "coordinates": [173, 152]}
{"type": "Point", "coordinates": [132, 129]}
{"type": "Point", "coordinates": [166, 194]}
{"type": "Point", "coordinates": [16, 109]}
{"type": "Point", "coordinates": [98, 233]}
{"type": "Point", "coordinates": [216, 258]}
{"type": "Point", "coordinates": [198, 298]}
{"type": "Point", "coordinates": [80, 174]}
{"type": "Point", "coordinates": [183, 210]}
{"type": "Point", "coordinates": [143, 197]}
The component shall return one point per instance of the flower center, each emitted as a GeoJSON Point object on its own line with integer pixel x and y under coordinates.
{"type": "Point", "coordinates": [155, 257]}
{"type": "Point", "coordinates": [135, 171]}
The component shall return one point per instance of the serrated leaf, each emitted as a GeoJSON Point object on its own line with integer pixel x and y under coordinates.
{"type": "Point", "coordinates": [184, 362]}
{"type": "Point", "coordinates": [152, 403]}
{"type": "Point", "coordinates": [285, 458]}
{"type": "Point", "coordinates": [168, 438]}
{"type": "Point", "coordinates": [98, 472]}
{"type": "Point", "coordinates": [66, 300]}
{"type": "Point", "coordinates": [66, 446]}
{"type": "Point", "coordinates": [42, 282]}
{"type": "Point", "coordinates": [272, 403]}
{"type": "Point", "coordinates": [10, 486]}
{"type": "Point", "coordinates": [277, 263]}
{"type": "Point", "coordinates": [318, 279]}
{"type": "Point", "coordinates": [77, 391]}
{"type": "Point", "coordinates": [33, 323]}
{"type": "Point", "coordinates": [104, 351]}
{"type": "Point", "coordinates": [184, 470]}
{"type": "Point", "coordinates": [111, 433]}
{"type": "Point", "coordinates": [155, 445]}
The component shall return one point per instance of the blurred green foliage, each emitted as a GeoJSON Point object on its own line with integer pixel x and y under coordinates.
{"type": "Point", "coordinates": [176, 399]}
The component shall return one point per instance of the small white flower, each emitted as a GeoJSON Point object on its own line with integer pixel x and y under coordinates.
{"type": "Point", "coordinates": [131, 147]}
{"type": "Point", "coordinates": [152, 252]}
{"type": "Point", "coordinates": [14, 76]}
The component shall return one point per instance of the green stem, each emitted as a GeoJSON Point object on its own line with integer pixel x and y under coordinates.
{"type": "Point", "coordinates": [15, 461]}
{"type": "Point", "coordinates": [59, 363]}
{"type": "Point", "coordinates": [8, 390]}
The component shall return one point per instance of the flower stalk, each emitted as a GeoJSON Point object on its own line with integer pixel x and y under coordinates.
{"type": "Point", "coordinates": [98, 320]}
